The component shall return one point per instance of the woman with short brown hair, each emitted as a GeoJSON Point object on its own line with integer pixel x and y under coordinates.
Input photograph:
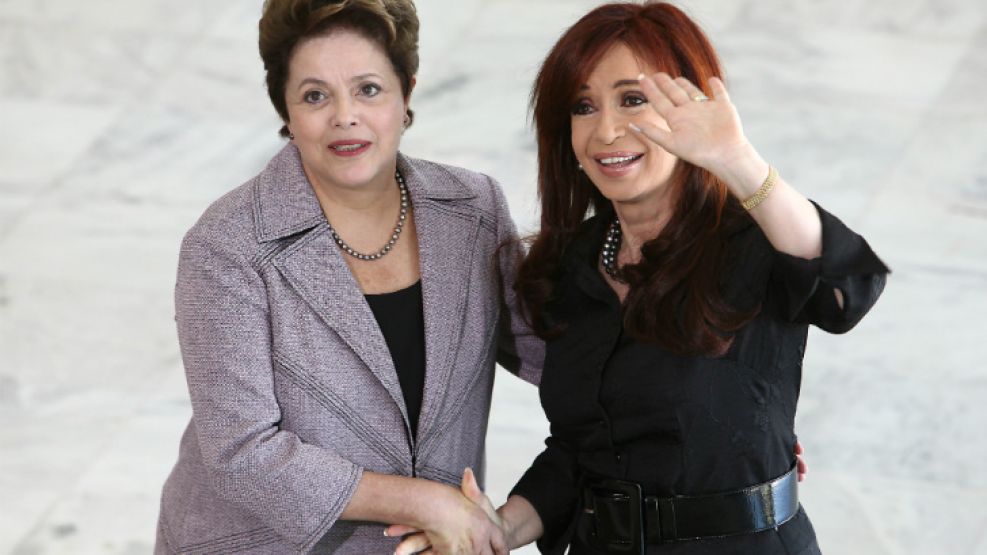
{"type": "Point", "coordinates": [340, 314]}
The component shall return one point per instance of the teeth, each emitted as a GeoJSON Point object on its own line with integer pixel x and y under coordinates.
{"type": "Point", "coordinates": [348, 148]}
{"type": "Point", "coordinates": [617, 160]}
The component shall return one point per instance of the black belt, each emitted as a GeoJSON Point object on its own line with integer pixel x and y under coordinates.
{"type": "Point", "coordinates": [624, 521]}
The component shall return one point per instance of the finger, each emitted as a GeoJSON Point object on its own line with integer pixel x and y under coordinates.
{"type": "Point", "coordinates": [473, 492]}
{"type": "Point", "coordinates": [672, 90]}
{"type": "Point", "coordinates": [398, 530]}
{"type": "Point", "coordinates": [798, 447]}
{"type": "Point", "coordinates": [801, 468]}
{"type": "Point", "coordinates": [719, 90]}
{"type": "Point", "coordinates": [656, 98]}
{"type": "Point", "coordinates": [695, 94]}
{"type": "Point", "coordinates": [658, 135]}
{"type": "Point", "coordinates": [413, 544]}
{"type": "Point", "coordinates": [470, 488]}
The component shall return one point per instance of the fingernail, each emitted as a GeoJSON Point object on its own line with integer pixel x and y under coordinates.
{"type": "Point", "coordinates": [634, 127]}
{"type": "Point", "coordinates": [640, 76]}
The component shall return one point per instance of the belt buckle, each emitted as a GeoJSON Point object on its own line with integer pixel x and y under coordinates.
{"type": "Point", "coordinates": [617, 513]}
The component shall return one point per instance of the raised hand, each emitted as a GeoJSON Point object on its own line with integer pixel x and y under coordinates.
{"type": "Point", "coordinates": [703, 131]}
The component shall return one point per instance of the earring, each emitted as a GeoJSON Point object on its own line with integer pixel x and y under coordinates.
{"type": "Point", "coordinates": [580, 166]}
{"type": "Point", "coordinates": [291, 136]}
{"type": "Point", "coordinates": [407, 121]}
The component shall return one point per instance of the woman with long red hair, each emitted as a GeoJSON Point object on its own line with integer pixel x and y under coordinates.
{"type": "Point", "coordinates": [673, 279]}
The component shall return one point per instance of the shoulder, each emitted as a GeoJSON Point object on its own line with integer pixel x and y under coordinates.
{"type": "Point", "coordinates": [445, 181]}
{"type": "Point", "coordinates": [228, 224]}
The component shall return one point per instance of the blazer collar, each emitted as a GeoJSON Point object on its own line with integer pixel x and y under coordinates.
{"type": "Point", "coordinates": [285, 204]}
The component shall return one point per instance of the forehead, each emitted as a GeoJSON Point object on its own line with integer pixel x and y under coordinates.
{"type": "Point", "coordinates": [618, 63]}
{"type": "Point", "coordinates": [341, 51]}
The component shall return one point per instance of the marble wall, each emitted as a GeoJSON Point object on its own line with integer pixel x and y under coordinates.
{"type": "Point", "coordinates": [122, 120]}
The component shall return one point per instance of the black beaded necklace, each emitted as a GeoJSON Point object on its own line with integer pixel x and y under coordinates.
{"type": "Point", "coordinates": [611, 245]}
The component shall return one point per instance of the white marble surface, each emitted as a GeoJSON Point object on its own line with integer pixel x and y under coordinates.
{"type": "Point", "coordinates": [122, 120]}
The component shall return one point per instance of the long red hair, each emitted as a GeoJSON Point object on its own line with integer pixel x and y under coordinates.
{"type": "Point", "coordinates": [675, 298]}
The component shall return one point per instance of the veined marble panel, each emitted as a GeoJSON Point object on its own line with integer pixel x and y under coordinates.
{"type": "Point", "coordinates": [123, 120]}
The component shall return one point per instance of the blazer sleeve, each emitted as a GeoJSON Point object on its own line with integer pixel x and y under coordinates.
{"type": "Point", "coordinates": [296, 489]}
{"type": "Point", "coordinates": [804, 289]}
{"type": "Point", "coordinates": [519, 349]}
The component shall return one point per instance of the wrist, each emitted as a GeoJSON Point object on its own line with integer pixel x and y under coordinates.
{"type": "Point", "coordinates": [508, 527]}
{"type": "Point", "coordinates": [438, 504]}
{"type": "Point", "coordinates": [743, 171]}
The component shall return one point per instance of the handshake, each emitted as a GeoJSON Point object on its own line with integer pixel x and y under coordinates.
{"type": "Point", "coordinates": [463, 521]}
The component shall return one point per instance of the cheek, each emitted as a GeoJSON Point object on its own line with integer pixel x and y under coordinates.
{"type": "Point", "coordinates": [578, 140]}
{"type": "Point", "coordinates": [391, 122]}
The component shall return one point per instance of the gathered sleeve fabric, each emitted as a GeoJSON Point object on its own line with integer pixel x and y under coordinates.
{"type": "Point", "coordinates": [552, 485]}
{"type": "Point", "coordinates": [804, 289]}
{"type": "Point", "coordinates": [519, 349]}
{"type": "Point", "coordinates": [296, 489]}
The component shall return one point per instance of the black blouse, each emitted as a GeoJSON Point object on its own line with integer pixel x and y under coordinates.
{"type": "Point", "coordinates": [689, 425]}
{"type": "Point", "coordinates": [401, 319]}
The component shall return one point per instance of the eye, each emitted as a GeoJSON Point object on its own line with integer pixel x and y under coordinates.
{"type": "Point", "coordinates": [582, 108]}
{"type": "Point", "coordinates": [370, 89]}
{"type": "Point", "coordinates": [314, 97]}
{"type": "Point", "coordinates": [634, 99]}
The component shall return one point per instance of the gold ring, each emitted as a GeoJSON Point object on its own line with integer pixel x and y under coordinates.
{"type": "Point", "coordinates": [700, 97]}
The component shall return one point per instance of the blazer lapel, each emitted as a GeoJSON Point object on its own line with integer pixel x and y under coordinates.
{"type": "Point", "coordinates": [286, 205]}
{"type": "Point", "coordinates": [446, 242]}
{"type": "Point", "coordinates": [316, 270]}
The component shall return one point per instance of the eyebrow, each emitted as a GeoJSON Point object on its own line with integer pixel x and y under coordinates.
{"type": "Point", "coordinates": [321, 83]}
{"type": "Point", "coordinates": [617, 85]}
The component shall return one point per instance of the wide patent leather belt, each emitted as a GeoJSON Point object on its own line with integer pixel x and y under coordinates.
{"type": "Point", "coordinates": [624, 521]}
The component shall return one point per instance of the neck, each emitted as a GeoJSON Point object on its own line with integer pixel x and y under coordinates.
{"type": "Point", "coordinates": [640, 222]}
{"type": "Point", "coordinates": [377, 196]}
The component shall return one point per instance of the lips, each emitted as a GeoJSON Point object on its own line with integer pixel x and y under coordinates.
{"type": "Point", "coordinates": [349, 147]}
{"type": "Point", "coordinates": [615, 164]}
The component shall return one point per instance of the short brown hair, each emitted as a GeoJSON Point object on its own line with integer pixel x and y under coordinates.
{"type": "Point", "coordinates": [392, 24]}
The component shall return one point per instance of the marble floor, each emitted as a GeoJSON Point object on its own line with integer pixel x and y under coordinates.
{"type": "Point", "coordinates": [121, 121]}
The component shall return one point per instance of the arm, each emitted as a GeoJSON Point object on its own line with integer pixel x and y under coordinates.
{"type": "Point", "coordinates": [519, 350]}
{"type": "Point", "coordinates": [708, 133]}
{"type": "Point", "coordinates": [296, 489]}
{"type": "Point", "coordinates": [521, 523]}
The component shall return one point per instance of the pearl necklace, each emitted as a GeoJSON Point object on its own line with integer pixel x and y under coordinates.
{"type": "Point", "coordinates": [402, 216]}
{"type": "Point", "coordinates": [608, 255]}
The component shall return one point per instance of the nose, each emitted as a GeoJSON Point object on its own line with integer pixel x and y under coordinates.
{"type": "Point", "coordinates": [610, 126]}
{"type": "Point", "coordinates": [344, 115]}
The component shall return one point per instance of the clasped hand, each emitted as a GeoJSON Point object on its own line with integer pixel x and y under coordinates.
{"type": "Point", "coordinates": [464, 522]}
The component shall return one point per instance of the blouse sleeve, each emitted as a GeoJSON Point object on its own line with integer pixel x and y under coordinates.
{"type": "Point", "coordinates": [551, 486]}
{"type": "Point", "coordinates": [804, 288]}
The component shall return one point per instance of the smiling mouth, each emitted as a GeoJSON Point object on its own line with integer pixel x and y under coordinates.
{"type": "Point", "coordinates": [349, 148]}
{"type": "Point", "coordinates": [619, 161]}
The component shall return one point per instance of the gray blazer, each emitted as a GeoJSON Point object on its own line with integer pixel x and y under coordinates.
{"type": "Point", "coordinates": [294, 393]}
